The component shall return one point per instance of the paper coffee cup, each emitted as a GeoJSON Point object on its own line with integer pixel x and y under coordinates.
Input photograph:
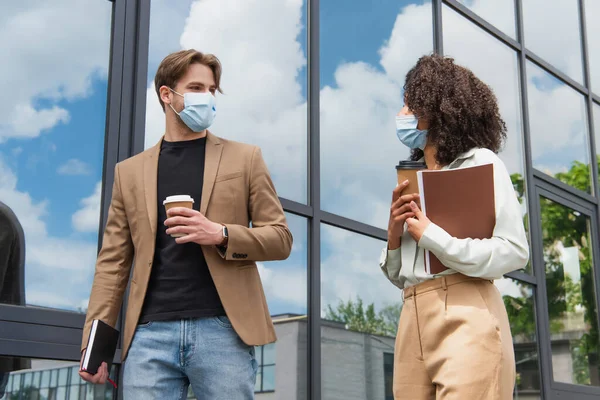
{"type": "Point", "coordinates": [178, 201]}
{"type": "Point", "coordinates": [408, 170]}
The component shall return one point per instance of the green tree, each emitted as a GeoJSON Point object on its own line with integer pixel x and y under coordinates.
{"type": "Point", "coordinates": [359, 318]}
{"type": "Point", "coordinates": [562, 227]}
{"type": "Point", "coordinates": [25, 393]}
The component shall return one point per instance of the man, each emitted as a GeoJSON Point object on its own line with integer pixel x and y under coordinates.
{"type": "Point", "coordinates": [12, 280]}
{"type": "Point", "coordinates": [196, 306]}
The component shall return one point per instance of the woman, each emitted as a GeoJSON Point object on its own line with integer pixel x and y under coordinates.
{"type": "Point", "coordinates": [454, 339]}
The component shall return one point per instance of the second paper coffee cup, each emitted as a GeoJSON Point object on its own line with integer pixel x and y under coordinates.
{"type": "Point", "coordinates": [178, 201]}
{"type": "Point", "coordinates": [408, 170]}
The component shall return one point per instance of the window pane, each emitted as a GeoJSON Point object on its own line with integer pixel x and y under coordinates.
{"type": "Point", "coordinates": [592, 9]}
{"type": "Point", "coordinates": [262, 47]}
{"type": "Point", "coordinates": [26, 380]}
{"type": "Point", "coordinates": [360, 311]}
{"type": "Point", "coordinates": [366, 49]}
{"type": "Point", "coordinates": [54, 378]}
{"type": "Point", "coordinates": [268, 378]}
{"type": "Point", "coordinates": [36, 380]}
{"type": "Point", "coordinates": [388, 373]}
{"type": "Point", "coordinates": [63, 374]}
{"type": "Point", "coordinates": [52, 133]}
{"type": "Point", "coordinates": [540, 19]}
{"type": "Point", "coordinates": [258, 384]}
{"type": "Point", "coordinates": [269, 354]}
{"type": "Point", "coordinates": [499, 69]}
{"type": "Point", "coordinates": [559, 133]}
{"type": "Point", "coordinates": [74, 392]}
{"type": "Point", "coordinates": [571, 294]}
{"type": "Point", "coordinates": [258, 354]}
{"type": "Point", "coordinates": [500, 13]}
{"type": "Point", "coordinates": [285, 288]}
{"type": "Point", "coordinates": [518, 300]}
{"type": "Point", "coordinates": [45, 379]}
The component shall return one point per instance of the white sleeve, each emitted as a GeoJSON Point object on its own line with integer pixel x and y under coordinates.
{"type": "Point", "coordinates": [507, 250]}
{"type": "Point", "coordinates": [391, 264]}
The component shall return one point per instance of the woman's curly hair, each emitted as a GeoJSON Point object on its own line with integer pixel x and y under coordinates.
{"type": "Point", "coordinates": [462, 111]}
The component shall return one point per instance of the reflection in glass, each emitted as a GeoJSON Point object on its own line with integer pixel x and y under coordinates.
{"type": "Point", "coordinates": [25, 384]}
{"type": "Point", "coordinates": [500, 13]}
{"type": "Point", "coordinates": [264, 76]}
{"type": "Point", "coordinates": [360, 312]}
{"type": "Point", "coordinates": [571, 295]}
{"type": "Point", "coordinates": [366, 49]}
{"type": "Point", "coordinates": [540, 19]}
{"type": "Point", "coordinates": [559, 132]}
{"type": "Point", "coordinates": [592, 10]}
{"type": "Point", "coordinates": [499, 69]}
{"type": "Point", "coordinates": [285, 288]}
{"type": "Point", "coordinates": [518, 300]}
{"type": "Point", "coordinates": [51, 148]}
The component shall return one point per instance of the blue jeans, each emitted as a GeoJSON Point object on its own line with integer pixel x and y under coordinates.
{"type": "Point", "coordinates": [165, 357]}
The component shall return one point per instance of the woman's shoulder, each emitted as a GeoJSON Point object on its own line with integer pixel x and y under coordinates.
{"type": "Point", "coordinates": [481, 156]}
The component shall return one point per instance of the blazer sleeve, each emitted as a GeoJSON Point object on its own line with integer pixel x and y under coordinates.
{"type": "Point", "coordinates": [113, 265]}
{"type": "Point", "coordinates": [269, 238]}
{"type": "Point", "coordinates": [507, 250]}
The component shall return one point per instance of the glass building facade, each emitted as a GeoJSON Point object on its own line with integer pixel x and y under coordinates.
{"type": "Point", "coordinates": [316, 84]}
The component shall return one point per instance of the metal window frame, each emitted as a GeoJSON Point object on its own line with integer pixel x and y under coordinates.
{"type": "Point", "coordinates": [125, 137]}
{"type": "Point", "coordinates": [128, 47]}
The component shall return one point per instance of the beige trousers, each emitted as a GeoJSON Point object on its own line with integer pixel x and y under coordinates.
{"type": "Point", "coordinates": [454, 342]}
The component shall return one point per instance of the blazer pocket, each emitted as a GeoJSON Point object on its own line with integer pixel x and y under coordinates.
{"type": "Point", "coordinates": [247, 266]}
{"type": "Point", "coordinates": [227, 177]}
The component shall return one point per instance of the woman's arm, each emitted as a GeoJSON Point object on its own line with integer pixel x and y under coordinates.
{"type": "Point", "coordinates": [391, 264]}
{"type": "Point", "coordinates": [506, 251]}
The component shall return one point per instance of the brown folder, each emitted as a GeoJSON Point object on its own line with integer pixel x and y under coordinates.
{"type": "Point", "coordinates": [460, 201]}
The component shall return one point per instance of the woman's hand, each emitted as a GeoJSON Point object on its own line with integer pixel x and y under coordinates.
{"type": "Point", "coordinates": [416, 226]}
{"type": "Point", "coordinates": [400, 211]}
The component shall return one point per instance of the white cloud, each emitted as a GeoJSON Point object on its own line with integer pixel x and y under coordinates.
{"type": "Point", "coordinates": [87, 218]}
{"type": "Point", "coordinates": [263, 105]}
{"type": "Point", "coordinates": [61, 67]}
{"type": "Point", "coordinates": [51, 262]}
{"type": "Point", "coordinates": [284, 285]}
{"type": "Point", "coordinates": [17, 151]}
{"type": "Point", "coordinates": [74, 167]}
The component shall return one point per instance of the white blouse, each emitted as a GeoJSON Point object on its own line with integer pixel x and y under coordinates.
{"type": "Point", "coordinates": [507, 250]}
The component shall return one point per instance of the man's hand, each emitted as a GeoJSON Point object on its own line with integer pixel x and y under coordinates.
{"type": "Point", "coordinates": [99, 378]}
{"type": "Point", "coordinates": [195, 226]}
{"type": "Point", "coordinates": [417, 225]}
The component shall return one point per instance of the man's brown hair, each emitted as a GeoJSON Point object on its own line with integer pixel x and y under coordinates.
{"type": "Point", "coordinates": [175, 65]}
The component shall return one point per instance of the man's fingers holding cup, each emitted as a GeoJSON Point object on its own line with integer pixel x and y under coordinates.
{"type": "Point", "coordinates": [183, 211]}
{"type": "Point", "coordinates": [178, 220]}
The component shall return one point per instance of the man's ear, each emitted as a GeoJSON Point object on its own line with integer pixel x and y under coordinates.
{"type": "Point", "coordinates": [165, 94]}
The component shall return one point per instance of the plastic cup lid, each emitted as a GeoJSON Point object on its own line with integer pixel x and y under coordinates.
{"type": "Point", "coordinates": [178, 198]}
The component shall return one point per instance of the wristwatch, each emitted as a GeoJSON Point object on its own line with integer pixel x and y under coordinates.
{"type": "Point", "coordinates": [225, 234]}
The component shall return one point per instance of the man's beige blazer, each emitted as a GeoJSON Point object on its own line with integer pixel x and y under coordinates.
{"type": "Point", "coordinates": [237, 190]}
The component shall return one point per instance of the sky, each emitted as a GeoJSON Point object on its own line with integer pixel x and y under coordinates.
{"type": "Point", "coordinates": [52, 129]}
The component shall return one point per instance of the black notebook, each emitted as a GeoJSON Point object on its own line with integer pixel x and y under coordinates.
{"type": "Point", "coordinates": [101, 347]}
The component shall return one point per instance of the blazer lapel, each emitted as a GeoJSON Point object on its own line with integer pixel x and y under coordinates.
{"type": "Point", "coordinates": [150, 184]}
{"type": "Point", "coordinates": [212, 157]}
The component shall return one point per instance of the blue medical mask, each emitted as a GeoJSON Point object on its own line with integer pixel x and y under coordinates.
{"type": "Point", "coordinates": [407, 132]}
{"type": "Point", "coordinates": [199, 110]}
